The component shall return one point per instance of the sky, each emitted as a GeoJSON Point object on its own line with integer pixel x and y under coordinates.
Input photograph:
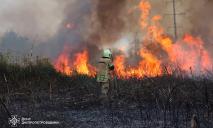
{"type": "Point", "coordinates": [42, 18]}
{"type": "Point", "coordinates": [31, 18]}
{"type": "Point", "coordinates": [96, 22]}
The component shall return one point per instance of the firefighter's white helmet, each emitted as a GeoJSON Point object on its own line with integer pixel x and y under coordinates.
{"type": "Point", "coordinates": [107, 53]}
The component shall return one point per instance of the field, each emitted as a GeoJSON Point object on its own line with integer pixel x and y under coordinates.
{"type": "Point", "coordinates": [37, 91]}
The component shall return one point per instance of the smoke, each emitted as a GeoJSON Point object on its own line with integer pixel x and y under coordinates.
{"type": "Point", "coordinates": [89, 25]}
{"type": "Point", "coordinates": [92, 24]}
{"type": "Point", "coordinates": [30, 18]}
{"type": "Point", "coordinates": [22, 44]}
{"type": "Point", "coordinates": [108, 21]}
{"type": "Point", "coordinates": [202, 21]}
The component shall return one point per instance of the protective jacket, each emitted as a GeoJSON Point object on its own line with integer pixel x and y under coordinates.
{"type": "Point", "coordinates": [104, 67]}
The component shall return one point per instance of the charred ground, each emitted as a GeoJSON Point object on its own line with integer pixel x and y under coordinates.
{"type": "Point", "coordinates": [38, 91]}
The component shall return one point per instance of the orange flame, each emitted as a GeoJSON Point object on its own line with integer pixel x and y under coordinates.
{"type": "Point", "coordinates": [62, 65]}
{"type": "Point", "coordinates": [145, 7]}
{"type": "Point", "coordinates": [79, 64]}
{"type": "Point", "coordinates": [188, 53]}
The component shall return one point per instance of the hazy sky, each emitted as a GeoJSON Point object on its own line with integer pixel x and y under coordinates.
{"type": "Point", "coordinates": [31, 17]}
{"type": "Point", "coordinates": [96, 22]}
{"type": "Point", "coordinates": [41, 19]}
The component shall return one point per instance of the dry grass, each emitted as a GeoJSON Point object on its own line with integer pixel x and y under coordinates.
{"type": "Point", "coordinates": [174, 98]}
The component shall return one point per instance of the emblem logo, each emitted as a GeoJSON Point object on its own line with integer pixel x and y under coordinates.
{"type": "Point", "coordinates": [14, 120]}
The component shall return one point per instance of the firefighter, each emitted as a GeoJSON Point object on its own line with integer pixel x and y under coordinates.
{"type": "Point", "coordinates": [105, 66]}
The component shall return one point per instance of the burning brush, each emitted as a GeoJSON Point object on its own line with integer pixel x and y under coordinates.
{"type": "Point", "coordinates": [188, 53]}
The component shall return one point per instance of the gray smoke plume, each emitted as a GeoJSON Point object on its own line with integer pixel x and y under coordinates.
{"type": "Point", "coordinates": [31, 17]}
{"type": "Point", "coordinates": [48, 25]}
{"type": "Point", "coordinates": [202, 21]}
{"type": "Point", "coordinates": [109, 21]}
{"type": "Point", "coordinates": [89, 25]}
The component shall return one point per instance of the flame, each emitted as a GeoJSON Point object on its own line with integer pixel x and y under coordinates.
{"type": "Point", "coordinates": [149, 66]}
{"type": "Point", "coordinates": [188, 53]}
{"type": "Point", "coordinates": [191, 54]}
{"type": "Point", "coordinates": [78, 65]}
{"type": "Point", "coordinates": [81, 64]}
{"type": "Point", "coordinates": [144, 7]}
{"type": "Point", "coordinates": [62, 64]}
{"type": "Point", "coordinates": [119, 64]}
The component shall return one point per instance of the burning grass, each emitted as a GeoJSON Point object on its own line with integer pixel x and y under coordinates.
{"type": "Point", "coordinates": [172, 96]}
{"type": "Point", "coordinates": [175, 82]}
{"type": "Point", "coordinates": [156, 51]}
